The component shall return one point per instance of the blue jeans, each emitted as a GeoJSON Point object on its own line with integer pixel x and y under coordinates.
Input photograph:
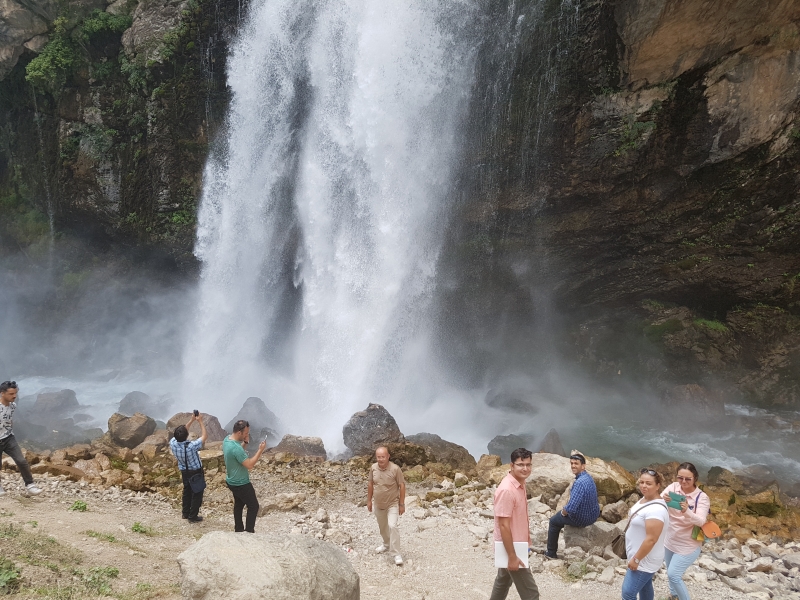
{"type": "Point", "coordinates": [637, 584]}
{"type": "Point", "coordinates": [676, 567]}
{"type": "Point", "coordinates": [557, 522]}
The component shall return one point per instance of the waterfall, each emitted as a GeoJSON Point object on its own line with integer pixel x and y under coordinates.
{"type": "Point", "coordinates": [325, 207]}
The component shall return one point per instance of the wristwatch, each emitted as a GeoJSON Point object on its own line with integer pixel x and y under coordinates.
{"type": "Point", "coordinates": [636, 560]}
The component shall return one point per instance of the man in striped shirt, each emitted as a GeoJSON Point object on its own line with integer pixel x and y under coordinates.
{"type": "Point", "coordinates": [581, 510]}
{"type": "Point", "coordinates": [189, 465]}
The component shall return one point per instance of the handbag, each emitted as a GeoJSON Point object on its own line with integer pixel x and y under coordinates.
{"type": "Point", "coordinates": [197, 482]}
{"type": "Point", "coordinates": [618, 543]}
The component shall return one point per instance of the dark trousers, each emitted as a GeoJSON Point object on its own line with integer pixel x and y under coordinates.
{"type": "Point", "coordinates": [244, 495]}
{"type": "Point", "coordinates": [523, 581]}
{"type": "Point", "coordinates": [557, 522]}
{"type": "Point", "coordinates": [10, 446]}
{"type": "Point", "coordinates": [191, 501]}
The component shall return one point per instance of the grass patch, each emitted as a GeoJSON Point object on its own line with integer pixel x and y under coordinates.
{"type": "Point", "coordinates": [79, 506]}
{"type": "Point", "coordinates": [656, 333]}
{"type": "Point", "coordinates": [713, 325]}
{"type": "Point", "coordinates": [10, 577]}
{"type": "Point", "coordinates": [36, 549]}
{"type": "Point", "coordinates": [143, 529]}
{"type": "Point", "coordinates": [106, 537]}
{"type": "Point", "coordinates": [97, 579]}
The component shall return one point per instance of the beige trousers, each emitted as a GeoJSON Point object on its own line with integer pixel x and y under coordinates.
{"type": "Point", "coordinates": [387, 523]}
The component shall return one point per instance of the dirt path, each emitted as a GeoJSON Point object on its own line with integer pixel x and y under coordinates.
{"type": "Point", "coordinates": [70, 554]}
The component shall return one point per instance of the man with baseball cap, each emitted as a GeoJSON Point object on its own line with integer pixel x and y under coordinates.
{"type": "Point", "coordinates": [582, 510]}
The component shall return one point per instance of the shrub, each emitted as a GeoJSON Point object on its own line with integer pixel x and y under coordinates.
{"type": "Point", "coordinates": [713, 325]}
{"type": "Point", "coordinates": [79, 506]}
{"type": "Point", "coordinates": [51, 68]}
{"type": "Point", "coordinates": [9, 577]}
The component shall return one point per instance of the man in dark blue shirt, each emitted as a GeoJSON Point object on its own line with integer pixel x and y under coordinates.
{"type": "Point", "coordinates": [582, 508]}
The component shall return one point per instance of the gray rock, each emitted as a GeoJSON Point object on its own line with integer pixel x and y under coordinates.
{"type": "Point", "coordinates": [282, 502]}
{"type": "Point", "coordinates": [730, 570]}
{"type": "Point", "coordinates": [52, 404]}
{"type": "Point", "coordinates": [263, 422]}
{"type": "Point", "coordinates": [607, 576]}
{"type": "Point", "coordinates": [479, 532]}
{"type": "Point", "coordinates": [370, 428]}
{"type": "Point", "coordinates": [140, 402]}
{"type": "Point", "coordinates": [215, 431]}
{"type": "Point", "coordinates": [598, 534]}
{"type": "Point", "coordinates": [337, 536]}
{"type": "Point", "coordinates": [444, 452]}
{"type": "Point", "coordinates": [614, 513]}
{"type": "Point", "coordinates": [552, 444]}
{"type": "Point", "coordinates": [232, 566]}
{"type": "Point", "coordinates": [742, 586]}
{"type": "Point", "coordinates": [504, 445]}
{"type": "Point", "coordinates": [761, 565]}
{"type": "Point", "coordinates": [129, 432]}
{"type": "Point", "coordinates": [21, 21]}
{"type": "Point", "coordinates": [791, 561]}
{"type": "Point", "coordinates": [301, 446]}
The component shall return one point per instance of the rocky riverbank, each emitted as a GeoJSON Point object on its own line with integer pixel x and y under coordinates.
{"type": "Point", "coordinates": [308, 494]}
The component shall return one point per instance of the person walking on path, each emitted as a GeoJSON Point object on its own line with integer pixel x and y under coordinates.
{"type": "Point", "coordinates": [680, 549]}
{"type": "Point", "coordinates": [190, 466]}
{"type": "Point", "coordinates": [387, 488]}
{"type": "Point", "coordinates": [8, 443]}
{"type": "Point", "coordinates": [511, 525]}
{"type": "Point", "coordinates": [644, 539]}
{"type": "Point", "coordinates": [237, 467]}
{"type": "Point", "coordinates": [583, 508]}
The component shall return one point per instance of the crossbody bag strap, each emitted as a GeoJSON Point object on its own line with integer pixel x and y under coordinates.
{"type": "Point", "coordinates": [638, 509]}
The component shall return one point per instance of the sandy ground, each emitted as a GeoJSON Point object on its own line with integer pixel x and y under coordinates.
{"type": "Point", "coordinates": [443, 562]}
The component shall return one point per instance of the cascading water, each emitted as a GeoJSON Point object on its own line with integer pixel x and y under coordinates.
{"type": "Point", "coordinates": [323, 215]}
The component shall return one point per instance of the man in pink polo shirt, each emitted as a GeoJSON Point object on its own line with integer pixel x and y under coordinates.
{"type": "Point", "coordinates": [511, 525]}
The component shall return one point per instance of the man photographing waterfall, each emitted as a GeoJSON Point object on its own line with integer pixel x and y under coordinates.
{"type": "Point", "coordinates": [237, 467]}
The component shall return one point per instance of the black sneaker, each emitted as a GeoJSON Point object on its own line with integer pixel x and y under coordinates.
{"type": "Point", "coordinates": [196, 519]}
{"type": "Point", "coordinates": [551, 556]}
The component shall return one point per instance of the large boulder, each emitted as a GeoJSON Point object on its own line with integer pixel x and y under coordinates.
{"type": "Point", "coordinates": [550, 476]}
{"type": "Point", "coordinates": [53, 404]}
{"type": "Point", "coordinates": [154, 443]}
{"type": "Point", "coordinates": [370, 428]}
{"type": "Point", "coordinates": [599, 534]}
{"type": "Point", "coordinates": [134, 402]}
{"type": "Point", "coordinates": [615, 512]}
{"type": "Point", "coordinates": [263, 422]}
{"type": "Point", "coordinates": [301, 446]}
{"type": "Point", "coordinates": [223, 565]}
{"type": "Point", "coordinates": [129, 432]}
{"type": "Point", "coordinates": [551, 444]}
{"type": "Point", "coordinates": [701, 402]}
{"type": "Point", "coordinates": [612, 480]}
{"type": "Point", "coordinates": [504, 445]}
{"type": "Point", "coordinates": [215, 431]}
{"type": "Point", "coordinates": [409, 455]}
{"type": "Point", "coordinates": [445, 452]}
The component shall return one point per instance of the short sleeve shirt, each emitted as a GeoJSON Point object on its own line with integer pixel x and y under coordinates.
{"type": "Point", "coordinates": [385, 485]}
{"type": "Point", "coordinates": [511, 500]}
{"type": "Point", "coordinates": [236, 473]}
{"type": "Point", "coordinates": [634, 537]}
{"type": "Point", "coordinates": [6, 419]}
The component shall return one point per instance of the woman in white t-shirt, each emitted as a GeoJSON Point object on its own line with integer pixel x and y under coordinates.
{"type": "Point", "coordinates": [644, 538]}
{"type": "Point", "coordinates": [681, 549]}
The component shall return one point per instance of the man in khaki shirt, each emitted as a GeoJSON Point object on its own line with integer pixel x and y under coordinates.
{"type": "Point", "coordinates": [388, 488]}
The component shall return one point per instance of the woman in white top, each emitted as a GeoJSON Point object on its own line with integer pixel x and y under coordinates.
{"type": "Point", "coordinates": [681, 549]}
{"type": "Point", "coordinates": [644, 538]}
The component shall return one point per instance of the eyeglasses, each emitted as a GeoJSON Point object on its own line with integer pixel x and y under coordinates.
{"type": "Point", "coordinates": [523, 465]}
{"type": "Point", "coordinates": [679, 478]}
{"type": "Point", "coordinates": [648, 471]}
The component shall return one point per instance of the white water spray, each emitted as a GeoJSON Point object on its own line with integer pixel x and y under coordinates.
{"type": "Point", "coordinates": [323, 217]}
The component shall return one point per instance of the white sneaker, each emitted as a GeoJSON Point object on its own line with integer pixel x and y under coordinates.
{"type": "Point", "coordinates": [398, 560]}
{"type": "Point", "coordinates": [32, 489]}
{"type": "Point", "coordinates": [2, 491]}
{"type": "Point", "coordinates": [381, 549]}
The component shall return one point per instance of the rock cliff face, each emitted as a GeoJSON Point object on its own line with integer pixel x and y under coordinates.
{"type": "Point", "coordinates": [660, 213]}
{"type": "Point", "coordinates": [630, 185]}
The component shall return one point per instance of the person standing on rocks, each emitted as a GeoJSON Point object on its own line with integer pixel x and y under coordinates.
{"type": "Point", "coordinates": [8, 443]}
{"type": "Point", "coordinates": [190, 466]}
{"type": "Point", "coordinates": [387, 488]}
{"type": "Point", "coordinates": [511, 525]}
{"type": "Point", "coordinates": [237, 467]}
{"type": "Point", "coordinates": [680, 549]}
{"type": "Point", "coordinates": [644, 538]}
{"type": "Point", "coordinates": [582, 509]}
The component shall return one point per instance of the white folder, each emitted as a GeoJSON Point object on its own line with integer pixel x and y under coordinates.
{"type": "Point", "coordinates": [501, 556]}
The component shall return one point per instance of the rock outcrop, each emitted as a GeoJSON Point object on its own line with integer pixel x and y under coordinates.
{"type": "Point", "coordinates": [444, 452]}
{"type": "Point", "coordinates": [230, 566]}
{"type": "Point", "coordinates": [301, 446]}
{"type": "Point", "coordinates": [129, 432]}
{"type": "Point", "coordinates": [370, 428]}
{"type": "Point", "coordinates": [22, 23]}
{"type": "Point", "coordinates": [504, 445]}
{"type": "Point", "coordinates": [551, 444]}
{"type": "Point", "coordinates": [263, 422]}
{"type": "Point", "coordinates": [215, 431]}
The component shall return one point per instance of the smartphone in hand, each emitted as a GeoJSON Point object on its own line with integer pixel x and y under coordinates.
{"type": "Point", "coordinates": [196, 412]}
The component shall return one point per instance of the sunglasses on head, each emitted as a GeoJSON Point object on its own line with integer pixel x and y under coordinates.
{"type": "Point", "coordinates": [11, 384]}
{"type": "Point", "coordinates": [648, 471]}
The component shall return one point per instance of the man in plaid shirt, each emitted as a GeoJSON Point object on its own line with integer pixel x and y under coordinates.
{"type": "Point", "coordinates": [583, 507]}
{"type": "Point", "coordinates": [189, 465]}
